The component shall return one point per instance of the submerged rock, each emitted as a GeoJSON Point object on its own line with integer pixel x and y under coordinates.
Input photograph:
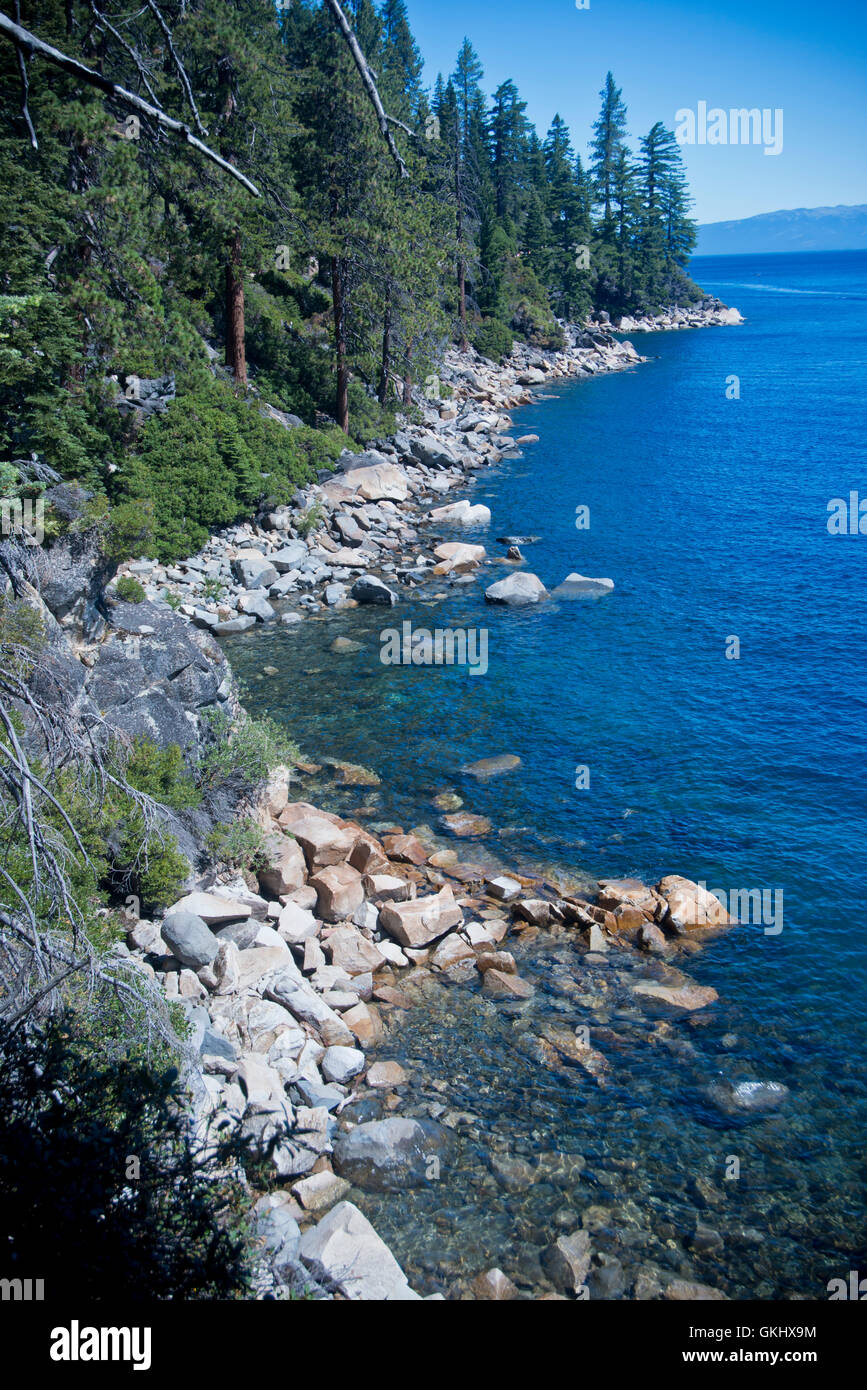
{"type": "Point", "coordinates": [580, 586]}
{"type": "Point", "coordinates": [389, 1155]}
{"type": "Point", "coordinates": [747, 1097]}
{"type": "Point", "coordinates": [493, 766]}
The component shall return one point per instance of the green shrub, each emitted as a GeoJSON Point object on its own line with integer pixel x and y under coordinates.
{"type": "Point", "coordinates": [238, 845]}
{"type": "Point", "coordinates": [213, 590]}
{"type": "Point", "coordinates": [310, 520]}
{"type": "Point", "coordinates": [493, 340]}
{"type": "Point", "coordinates": [99, 1180]}
{"type": "Point", "coordinates": [241, 755]}
{"type": "Point", "coordinates": [129, 590]}
{"type": "Point", "coordinates": [209, 460]}
{"type": "Point", "coordinates": [161, 773]}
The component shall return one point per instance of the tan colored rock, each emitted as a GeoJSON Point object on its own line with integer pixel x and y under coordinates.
{"type": "Point", "coordinates": [496, 960]}
{"type": "Point", "coordinates": [285, 867]}
{"type": "Point", "coordinates": [322, 841]}
{"type": "Point", "coordinates": [339, 891]}
{"type": "Point", "coordinates": [567, 1261]}
{"type": "Point", "coordinates": [320, 1191]}
{"type": "Point", "coordinates": [365, 1024]}
{"type": "Point", "coordinates": [466, 825]}
{"type": "Point", "coordinates": [275, 794]}
{"type": "Point", "coordinates": [213, 910]}
{"type": "Point", "coordinates": [493, 1286]}
{"type": "Point", "coordinates": [423, 920]}
{"type": "Point", "coordinates": [388, 886]}
{"type": "Point", "coordinates": [685, 996]}
{"type": "Point", "coordinates": [536, 911]}
{"type": "Point", "coordinates": [688, 905]}
{"type": "Point", "coordinates": [368, 855]}
{"type": "Point", "coordinates": [302, 810]}
{"type": "Point", "coordinates": [405, 849]}
{"type": "Point", "coordinates": [353, 952]}
{"type": "Point", "coordinates": [614, 892]}
{"type": "Point", "coordinates": [502, 986]}
{"type": "Point", "coordinates": [386, 1074]}
{"type": "Point", "coordinates": [443, 858]}
{"type": "Point", "coordinates": [450, 951]}
{"type": "Point", "coordinates": [688, 1291]}
{"type": "Point", "coordinates": [259, 961]}
{"type": "Point", "coordinates": [296, 924]}
{"type": "Point", "coordinates": [314, 956]}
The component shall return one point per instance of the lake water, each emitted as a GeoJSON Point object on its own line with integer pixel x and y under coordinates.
{"type": "Point", "coordinates": [710, 514]}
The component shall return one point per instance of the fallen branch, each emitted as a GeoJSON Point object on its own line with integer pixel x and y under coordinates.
{"type": "Point", "coordinates": [369, 84]}
{"type": "Point", "coordinates": [22, 38]}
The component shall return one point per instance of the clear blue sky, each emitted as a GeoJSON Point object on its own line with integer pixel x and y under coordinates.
{"type": "Point", "coordinates": [808, 57]}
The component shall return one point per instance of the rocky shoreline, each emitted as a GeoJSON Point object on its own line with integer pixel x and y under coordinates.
{"type": "Point", "coordinates": [360, 535]}
{"type": "Point", "coordinates": [293, 976]}
{"type": "Point", "coordinates": [291, 979]}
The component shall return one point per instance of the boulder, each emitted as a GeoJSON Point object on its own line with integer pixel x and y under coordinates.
{"type": "Point", "coordinates": [493, 1286]}
{"type": "Point", "coordinates": [385, 1075]}
{"type": "Point", "coordinates": [339, 891]}
{"type": "Point", "coordinates": [379, 482]}
{"type": "Point", "coordinates": [689, 905]}
{"type": "Point", "coordinates": [579, 586]}
{"type": "Point", "coordinates": [297, 924]}
{"type": "Point", "coordinates": [501, 985]}
{"type": "Point", "coordinates": [517, 590]}
{"type": "Point", "coordinates": [287, 988]}
{"type": "Point", "coordinates": [492, 767]}
{"type": "Point", "coordinates": [391, 1155]}
{"type": "Point", "coordinates": [344, 1252]}
{"type": "Point", "coordinates": [747, 1097]}
{"type": "Point", "coordinates": [340, 1064]}
{"type": "Point", "coordinates": [213, 910]}
{"type": "Point", "coordinates": [284, 868]}
{"type": "Point", "coordinates": [434, 452]}
{"type": "Point", "coordinates": [190, 939]}
{"type": "Point", "coordinates": [252, 570]}
{"type": "Point", "coordinates": [322, 841]}
{"type": "Point", "coordinates": [370, 590]}
{"type": "Point", "coordinates": [353, 952]}
{"type": "Point", "coordinates": [567, 1261]}
{"type": "Point", "coordinates": [255, 603]}
{"type": "Point", "coordinates": [463, 513]}
{"type": "Point", "coordinates": [293, 554]}
{"type": "Point", "coordinates": [683, 996]}
{"type": "Point", "coordinates": [320, 1191]}
{"type": "Point", "coordinates": [422, 920]}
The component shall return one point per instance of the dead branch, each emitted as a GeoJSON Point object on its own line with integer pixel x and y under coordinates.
{"type": "Point", "coordinates": [24, 39]}
{"type": "Point", "coordinates": [369, 84]}
{"type": "Point", "coordinates": [179, 67]}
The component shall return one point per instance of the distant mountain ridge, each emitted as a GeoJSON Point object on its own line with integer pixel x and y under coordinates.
{"type": "Point", "coordinates": [841, 228]}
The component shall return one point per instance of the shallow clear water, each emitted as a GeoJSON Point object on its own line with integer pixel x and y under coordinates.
{"type": "Point", "coordinates": [710, 516]}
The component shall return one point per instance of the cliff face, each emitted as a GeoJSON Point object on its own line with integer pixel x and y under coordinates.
{"type": "Point", "coordinates": [125, 670]}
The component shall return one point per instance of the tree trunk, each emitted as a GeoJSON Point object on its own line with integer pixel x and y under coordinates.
{"type": "Point", "coordinates": [236, 356]}
{"type": "Point", "coordinates": [462, 282]}
{"type": "Point", "coordinates": [407, 379]}
{"type": "Point", "coordinates": [338, 296]}
{"type": "Point", "coordinates": [386, 354]}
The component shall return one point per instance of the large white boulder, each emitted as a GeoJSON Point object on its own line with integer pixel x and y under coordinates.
{"type": "Point", "coordinates": [344, 1250]}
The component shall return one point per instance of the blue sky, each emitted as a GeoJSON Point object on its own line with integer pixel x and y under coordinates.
{"type": "Point", "coordinates": [807, 57]}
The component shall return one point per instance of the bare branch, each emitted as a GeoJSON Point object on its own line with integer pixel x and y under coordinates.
{"type": "Point", "coordinates": [179, 67]}
{"type": "Point", "coordinates": [25, 85]}
{"type": "Point", "coordinates": [369, 84]}
{"type": "Point", "coordinates": [25, 39]}
{"type": "Point", "coordinates": [105, 23]}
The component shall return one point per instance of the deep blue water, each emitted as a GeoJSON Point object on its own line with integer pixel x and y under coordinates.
{"type": "Point", "coordinates": [710, 516]}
